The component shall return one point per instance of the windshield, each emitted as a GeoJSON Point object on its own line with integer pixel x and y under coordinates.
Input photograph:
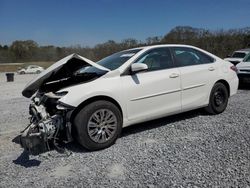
{"type": "Point", "coordinates": [116, 60]}
{"type": "Point", "coordinates": [90, 70]}
{"type": "Point", "coordinates": [247, 58]}
{"type": "Point", "coordinates": [111, 62]}
{"type": "Point", "coordinates": [239, 54]}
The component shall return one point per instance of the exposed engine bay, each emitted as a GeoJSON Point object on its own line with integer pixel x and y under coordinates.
{"type": "Point", "coordinates": [50, 122]}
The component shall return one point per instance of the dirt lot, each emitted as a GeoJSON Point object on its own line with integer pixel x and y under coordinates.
{"type": "Point", "coordinates": [189, 150]}
{"type": "Point", "coordinates": [13, 67]}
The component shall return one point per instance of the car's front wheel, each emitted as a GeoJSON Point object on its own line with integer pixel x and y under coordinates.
{"type": "Point", "coordinates": [218, 99]}
{"type": "Point", "coordinates": [98, 125]}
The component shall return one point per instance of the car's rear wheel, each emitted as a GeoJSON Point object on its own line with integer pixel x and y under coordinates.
{"type": "Point", "coordinates": [98, 125]}
{"type": "Point", "coordinates": [22, 72]}
{"type": "Point", "coordinates": [38, 72]}
{"type": "Point", "coordinates": [218, 99]}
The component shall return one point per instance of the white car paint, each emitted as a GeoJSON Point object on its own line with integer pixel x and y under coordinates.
{"type": "Point", "coordinates": [149, 95]}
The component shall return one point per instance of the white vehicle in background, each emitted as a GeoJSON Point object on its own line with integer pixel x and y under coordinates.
{"type": "Point", "coordinates": [238, 56]}
{"type": "Point", "coordinates": [92, 102]}
{"type": "Point", "coordinates": [244, 70]}
{"type": "Point", "coordinates": [31, 69]}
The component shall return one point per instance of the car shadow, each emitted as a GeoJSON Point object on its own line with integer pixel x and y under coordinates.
{"type": "Point", "coordinates": [165, 121]}
{"type": "Point", "coordinates": [75, 147]}
{"type": "Point", "coordinates": [24, 158]}
{"type": "Point", "coordinates": [25, 161]}
{"type": "Point", "coordinates": [244, 86]}
{"type": "Point", "coordinates": [137, 128]}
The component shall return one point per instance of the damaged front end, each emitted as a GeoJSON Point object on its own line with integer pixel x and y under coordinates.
{"type": "Point", "coordinates": [50, 119]}
{"type": "Point", "coordinates": [49, 124]}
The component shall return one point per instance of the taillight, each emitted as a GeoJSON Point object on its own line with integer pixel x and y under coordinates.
{"type": "Point", "coordinates": [234, 68]}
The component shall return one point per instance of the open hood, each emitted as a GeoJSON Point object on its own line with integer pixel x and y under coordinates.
{"type": "Point", "coordinates": [69, 64]}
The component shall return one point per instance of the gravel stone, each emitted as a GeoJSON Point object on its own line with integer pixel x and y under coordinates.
{"type": "Point", "coordinates": [192, 149]}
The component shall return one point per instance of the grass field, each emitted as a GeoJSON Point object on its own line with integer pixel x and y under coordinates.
{"type": "Point", "coordinates": [13, 67]}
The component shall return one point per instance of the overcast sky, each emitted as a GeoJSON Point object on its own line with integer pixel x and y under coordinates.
{"type": "Point", "coordinates": [88, 22]}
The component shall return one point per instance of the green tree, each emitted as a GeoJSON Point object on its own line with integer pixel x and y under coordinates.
{"type": "Point", "coordinates": [24, 50]}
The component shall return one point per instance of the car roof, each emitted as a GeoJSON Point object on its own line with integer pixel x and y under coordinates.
{"type": "Point", "coordinates": [160, 45]}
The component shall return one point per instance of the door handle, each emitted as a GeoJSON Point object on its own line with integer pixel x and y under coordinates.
{"type": "Point", "coordinates": [174, 75]}
{"type": "Point", "coordinates": [211, 68]}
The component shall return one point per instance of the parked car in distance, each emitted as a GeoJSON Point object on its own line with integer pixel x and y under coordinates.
{"type": "Point", "coordinates": [91, 102]}
{"type": "Point", "coordinates": [244, 70]}
{"type": "Point", "coordinates": [31, 69]}
{"type": "Point", "coordinates": [238, 56]}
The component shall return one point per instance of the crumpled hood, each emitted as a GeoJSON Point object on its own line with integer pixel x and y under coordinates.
{"type": "Point", "coordinates": [36, 83]}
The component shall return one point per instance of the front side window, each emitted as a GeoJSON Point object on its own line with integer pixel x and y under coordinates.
{"type": "Point", "coordinates": [188, 56]}
{"type": "Point", "coordinates": [157, 59]}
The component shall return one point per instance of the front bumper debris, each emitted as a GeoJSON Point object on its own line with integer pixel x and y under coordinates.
{"type": "Point", "coordinates": [40, 137]}
{"type": "Point", "coordinates": [34, 143]}
{"type": "Point", "coordinates": [49, 126]}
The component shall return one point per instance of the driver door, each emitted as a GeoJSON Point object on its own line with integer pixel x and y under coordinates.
{"type": "Point", "coordinates": [156, 92]}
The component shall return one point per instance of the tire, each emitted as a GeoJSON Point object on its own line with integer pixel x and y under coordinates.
{"type": "Point", "coordinates": [38, 72]}
{"type": "Point", "coordinates": [22, 72]}
{"type": "Point", "coordinates": [218, 99]}
{"type": "Point", "coordinates": [87, 131]}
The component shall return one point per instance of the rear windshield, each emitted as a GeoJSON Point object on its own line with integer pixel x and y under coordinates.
{"type": "Point", "coordinates": [239, 54]}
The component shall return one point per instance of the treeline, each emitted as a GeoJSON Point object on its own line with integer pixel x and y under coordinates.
{"type": "Point", "coordinates": [221, 43]}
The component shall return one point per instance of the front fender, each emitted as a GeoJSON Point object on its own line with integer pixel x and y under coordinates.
{"type": "Point", "coordinates": [107, 87]}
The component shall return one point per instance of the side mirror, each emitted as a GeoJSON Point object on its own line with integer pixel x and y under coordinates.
{"type": "Point", "coordinates": [138, 67]}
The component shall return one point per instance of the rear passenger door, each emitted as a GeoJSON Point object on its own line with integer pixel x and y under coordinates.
{"type": "Point", "coordinates": [198, 73]}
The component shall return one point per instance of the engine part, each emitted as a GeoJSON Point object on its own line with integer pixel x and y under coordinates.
{"type": "Point", "coordinates": [38, 137]}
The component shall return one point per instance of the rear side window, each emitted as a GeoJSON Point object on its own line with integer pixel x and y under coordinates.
{"type": "Point", "coordinates": [189, 56]}
{"type": "Point", "coordinates": [157, 59]}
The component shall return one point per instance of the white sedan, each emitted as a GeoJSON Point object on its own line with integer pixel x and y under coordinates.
{"type": "Point", "coordinates": [31, 69]}
{"type": "Point", "coordinates": [91, 102]}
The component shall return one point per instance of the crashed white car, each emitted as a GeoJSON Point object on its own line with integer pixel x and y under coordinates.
{"type": "Point", "coordinates": [91, 102]}
{"type": "Point", "coordinates": [31, 69]}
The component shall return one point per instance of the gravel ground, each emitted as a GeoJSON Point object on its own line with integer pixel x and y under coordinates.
{"type": "Point", "coordinates": [186, 150]}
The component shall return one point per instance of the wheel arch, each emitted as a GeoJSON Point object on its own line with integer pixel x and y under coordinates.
{"type": "Point", "coordinates": [92, 99]}
{"type": "Point", "coordinates": [226, 84]}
